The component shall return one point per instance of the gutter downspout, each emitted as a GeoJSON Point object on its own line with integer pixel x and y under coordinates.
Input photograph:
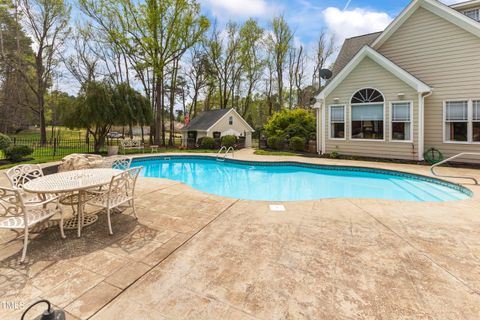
{"type": "Point", "coordinates": [322, 105]}
{"type": "Point", "coordinates": [318, 128]}
{"type": "Point", "coordinates": [421, 123]}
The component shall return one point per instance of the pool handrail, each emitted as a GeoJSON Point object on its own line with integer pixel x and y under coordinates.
{"type": "Point", "coordinates": [220, 151]}
{"type": "Point", "coordinates": [451, 158]}
{"type": "Point", "coordinates": [228, 150]}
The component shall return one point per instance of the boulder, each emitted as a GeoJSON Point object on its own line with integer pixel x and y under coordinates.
{"type": "Point", "coordinates": [76, 161]}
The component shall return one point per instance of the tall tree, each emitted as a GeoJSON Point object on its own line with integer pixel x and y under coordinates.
{"type": "Point", "coordinates": [16, 54]}
{"type": "Point", "coordinates": [84, 61]}
{"type": "Point", "coordinates": [253, 61]}
{"type": "Point", "coordinates": [299, 74]}
{"type": "Point", "coordinates": [47, 23]}
{"type": "Point", "coordinates": [279, 42]}
{"type": "Point", "coordinates": [324, 51]}
{"type": "Point", "coordinates": [159, 31]}
{"type": "Point", "coordinates": [197, 76]}
{"type": "Point", "coordinates": [223, 49]}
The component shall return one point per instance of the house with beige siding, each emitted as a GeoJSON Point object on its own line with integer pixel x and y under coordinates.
{"type": "Point", "coordinates": [216, 124]}
{"type": "Point", "coordinates": [413, 87]}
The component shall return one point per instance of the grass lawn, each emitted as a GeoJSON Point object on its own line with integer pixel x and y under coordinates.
{"type": "Point", "coordinates": [62, 132]}
{"type": "Point", "coordinates": [275, 153]}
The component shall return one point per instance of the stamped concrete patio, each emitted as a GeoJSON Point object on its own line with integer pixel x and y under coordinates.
{"type": "Point", "coordinates": [196, 256]}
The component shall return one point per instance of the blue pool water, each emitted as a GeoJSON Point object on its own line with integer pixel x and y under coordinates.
{"type": "Point", "coordinates": [291, 182]}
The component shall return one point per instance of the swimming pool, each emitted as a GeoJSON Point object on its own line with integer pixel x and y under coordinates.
{"type": "Point", "coordinates": [291, 181]}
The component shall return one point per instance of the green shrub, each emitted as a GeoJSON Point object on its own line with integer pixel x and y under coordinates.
{"type": "Point", "coordinates": [334, 155]}
{"type": "Point", "coordinates": [5, 141]}
{"type": "Point", "coordinates": [291, 123]}
{"type": "Point", "coordinates": [229, 141]}
{"type": "Point", "coordinates": [297, 144]}
{"type": "Point", "coordinates": [276, 142]}
{"type": "Point", "coordinates": [16, 153]}
{"type": "Point", "coordinates": [207, 143]}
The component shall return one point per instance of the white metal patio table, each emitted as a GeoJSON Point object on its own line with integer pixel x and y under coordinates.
{"type": "Point", "coordinates": [77, 181]}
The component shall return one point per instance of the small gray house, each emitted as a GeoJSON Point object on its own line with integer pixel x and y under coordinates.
{"type": "Point", "coordinates": [216, 124]}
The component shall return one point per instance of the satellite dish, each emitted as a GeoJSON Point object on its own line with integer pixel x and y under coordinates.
{"type": "Point", "coordinates": [325, 74]}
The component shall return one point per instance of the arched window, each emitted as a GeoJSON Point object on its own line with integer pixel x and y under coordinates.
{"type": "Point", "coordinates": [367, 115]}
{"type": "Point", "coordinates": [367, 95]}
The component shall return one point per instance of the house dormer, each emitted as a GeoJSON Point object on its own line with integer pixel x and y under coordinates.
{"type": "Point", "coordinates": [469, 8]}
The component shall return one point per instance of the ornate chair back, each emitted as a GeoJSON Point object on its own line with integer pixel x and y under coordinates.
{"type": "Point", "coordinates": [123, 185]}
{"type": "Point", "coordinates": [121, 163]}
{"type": "Point", "coordinates": [21, 174]}
{"type": "Point", "coordinates": [11, 204]}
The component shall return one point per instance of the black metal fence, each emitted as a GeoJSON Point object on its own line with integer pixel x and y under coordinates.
{"type": "Point", "coordinates": [59, 147]}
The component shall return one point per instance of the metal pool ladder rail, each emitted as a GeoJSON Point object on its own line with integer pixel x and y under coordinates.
{"type": "Point", "coordinates": [451, 158]}
{"type": "Point", "coordinates": [226, 152]}
{"type": "Point", "coordinates": [220, 151]}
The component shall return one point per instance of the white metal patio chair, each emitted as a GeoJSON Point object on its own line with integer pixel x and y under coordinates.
{"type": "Point", "coordinates": [20, 175]}
{"type": "Point", "coordinates": [116, 162]}
{"type": "Point", "coordinates": [121, 191]}
{"type": "Point", "coordinates": [15, 213]}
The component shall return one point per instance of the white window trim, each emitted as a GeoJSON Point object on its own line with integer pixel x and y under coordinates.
{"type": "Point", "coordinates": [330, 121]}
{"type": "Point", "coordinates": [469, 122]}
{"type": "Point", "coordinates": [411, 121]}
{"type": "Point", "coordinates": [471, 111]}
{"type": "Point", "coordinates": [350, 121]}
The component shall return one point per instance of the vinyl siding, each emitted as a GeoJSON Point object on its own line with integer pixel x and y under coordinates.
{"type": "Point", "coordinates": [446, 58]}
{"type": "Point", "coordinates": [369, 74]}
{"type": "Point", "coordinates": [223, 125]}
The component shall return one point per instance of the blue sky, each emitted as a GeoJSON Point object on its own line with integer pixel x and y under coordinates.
{"type": "Point", "coordinates": [307, 18]}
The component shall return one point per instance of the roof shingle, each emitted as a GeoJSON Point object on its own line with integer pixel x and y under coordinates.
{"type": "Point", "coordinates": [350, 48]}
{"type": "Point", "coordinates": [205, 119]}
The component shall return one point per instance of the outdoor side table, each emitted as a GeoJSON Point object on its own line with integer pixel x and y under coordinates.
{"type": "Point", "coordinates": [154, 148]}
{"type": "Point", "coordinates": [77, 181]}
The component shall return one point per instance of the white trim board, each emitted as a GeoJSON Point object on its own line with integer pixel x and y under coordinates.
{"type": "Point", "coordinates": [381, 60]}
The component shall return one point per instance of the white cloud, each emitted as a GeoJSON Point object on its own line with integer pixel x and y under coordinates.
{"type": "Point", "coordinates": [244, 8]}
{"type": "Point", "coordinates": [348, 23]}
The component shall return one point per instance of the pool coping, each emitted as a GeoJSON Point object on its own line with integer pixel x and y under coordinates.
{"type": "Point", "coordinates": [456, 186]}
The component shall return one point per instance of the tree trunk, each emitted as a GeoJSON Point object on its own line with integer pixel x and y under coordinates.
{"type": "Point", "coordinates": [43, 129]}
{"type": "Point", "coordinates": [162, 110]}
{"type": "Point", "coordinates": [173, 87]}
{"type": "Point", "coordinates": [158, 117]}
{"type": "Point", "coordinates": [280, 91]}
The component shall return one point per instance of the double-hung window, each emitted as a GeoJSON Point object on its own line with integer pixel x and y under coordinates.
{"type": "Point", "coordinates": [337, 122]}
{"type": "Point", "coordinates": [456, 121]}
{"type": "Point", "coordinates": [401, 126]}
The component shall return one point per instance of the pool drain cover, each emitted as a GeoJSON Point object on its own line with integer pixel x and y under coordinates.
{"type": "Point", "coordinates": [277, 207]}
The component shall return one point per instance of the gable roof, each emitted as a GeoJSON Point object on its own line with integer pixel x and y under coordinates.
{"type": "Point", "coordinates": [207, 119]}
{"type": "Point", "coordinates": [367, 51]}
{"type": "Point", "coordinates": [204, 120]}
{"type": "Point", "coordinates": [435, 7]}
{"type": "Point", "coordinates": [350, 48]}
